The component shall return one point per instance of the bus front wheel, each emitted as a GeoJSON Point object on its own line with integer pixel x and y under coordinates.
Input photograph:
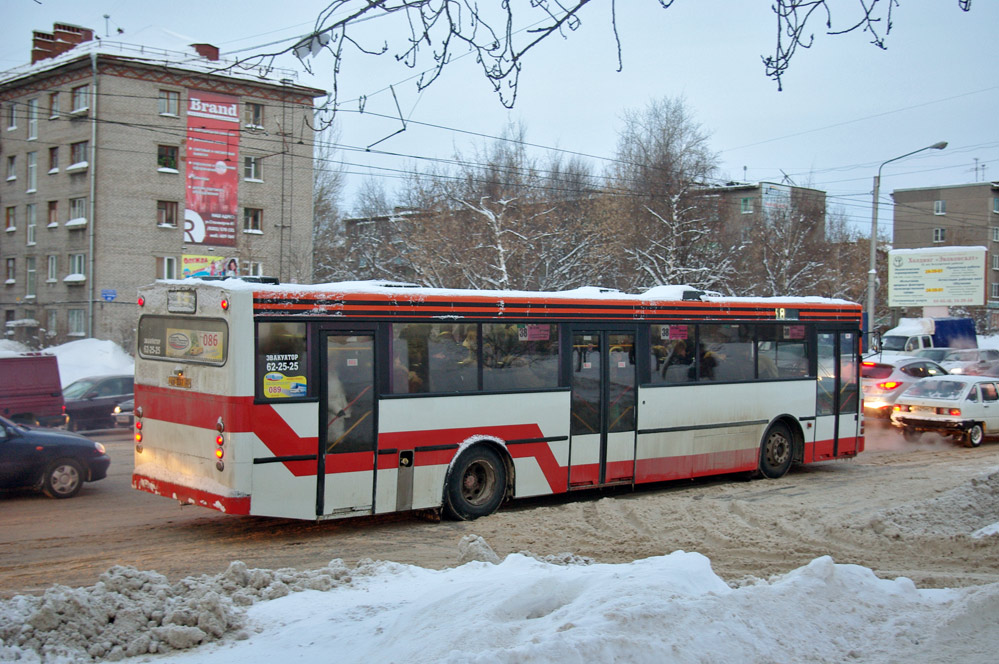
{"type": "Point", "coordinates": [776, 452]}
{"type": "Point", "coordinates": [476, 484]}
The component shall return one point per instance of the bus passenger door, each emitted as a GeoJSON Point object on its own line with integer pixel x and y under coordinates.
{"type": "Point", "coordinates": [347, 431]}
{"type": "Point", "coordinates": [837, 406]}
{"type": "Point", "coordinates": [602, 430]}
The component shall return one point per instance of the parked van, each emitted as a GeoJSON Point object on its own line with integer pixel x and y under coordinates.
{"type": "Point", "coordinates": [30, 391]}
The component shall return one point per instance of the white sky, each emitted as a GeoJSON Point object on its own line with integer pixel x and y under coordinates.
{"type": "Point", "coordinates": [846, 106]}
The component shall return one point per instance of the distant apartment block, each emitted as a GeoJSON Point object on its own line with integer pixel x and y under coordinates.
{"type": "Point", "coordinates": [123, 164]}
{"type": "Point", "coordinates": [955, 215]}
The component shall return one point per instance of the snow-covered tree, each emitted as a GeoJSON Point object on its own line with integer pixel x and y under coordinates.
{"type": "Point", "coordinates": [661, 225]}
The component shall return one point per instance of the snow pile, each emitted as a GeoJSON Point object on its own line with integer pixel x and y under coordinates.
{"type": "Point", "coordinates": [91, 357]}
{"type": "Point", "coordinates": [522, 609]}
{"type": "Point", "coordinates": [971, 509]}
{"type": "Point", "coordinates": [131, 612]}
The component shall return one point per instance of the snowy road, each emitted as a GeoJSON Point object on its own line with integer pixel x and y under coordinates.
{"type": "Point", "coordinates": [908, 511]}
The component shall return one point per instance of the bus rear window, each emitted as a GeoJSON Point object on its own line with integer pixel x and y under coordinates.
{"type": "Point", "coordinates": [184, 339]}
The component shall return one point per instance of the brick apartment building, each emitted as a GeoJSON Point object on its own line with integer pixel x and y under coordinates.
{"type": "Point", "coordinates": [955, 215]}
{"type": "Point", "coordinates": [741, 204]}
{"type": "Point", "coordinates": [123, 164]}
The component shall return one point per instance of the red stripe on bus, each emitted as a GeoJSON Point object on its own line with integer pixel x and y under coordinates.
{"type": "Point", "coordinates": [185, 494]}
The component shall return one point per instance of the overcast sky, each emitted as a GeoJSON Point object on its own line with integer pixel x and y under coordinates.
{"type": "Point", "coordinates": [846, 106]}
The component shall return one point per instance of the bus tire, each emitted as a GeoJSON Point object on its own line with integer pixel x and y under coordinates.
{"type": "Point", "coordinates": [975, 435]}
{"type": "Point", "coordinates": [776, 451]}
{"type": "Point", "coordinates": [475, 485]}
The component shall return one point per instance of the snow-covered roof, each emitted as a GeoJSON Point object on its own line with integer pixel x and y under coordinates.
{"type": "Point", "coordinates": [656, 294]}
{"type": "Point", "coordinates": [187, 59]}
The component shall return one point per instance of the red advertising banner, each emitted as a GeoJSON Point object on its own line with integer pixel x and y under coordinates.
{"type": "Point", "coordinates": [212, 174]}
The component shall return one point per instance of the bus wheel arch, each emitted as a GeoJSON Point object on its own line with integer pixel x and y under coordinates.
{"type": "Point", "coordinates": [782, 444]}
{"type": "Point", "coordinates": [478, 480]}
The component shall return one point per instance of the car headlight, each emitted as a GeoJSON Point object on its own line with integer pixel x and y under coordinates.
{"type": "Point", "coordinates": [117, 409]}
{"type": "Point", "coordinates": [100, 448]}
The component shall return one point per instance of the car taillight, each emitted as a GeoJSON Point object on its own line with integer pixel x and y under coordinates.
{"type": "Point", "coordinates": [956, 412]}
{"type": "Point", "coordinates": [900, 409]}
{"type": "Point", "coordinates": [889, 385]}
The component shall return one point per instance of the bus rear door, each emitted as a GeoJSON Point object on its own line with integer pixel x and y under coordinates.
{"type": "Point", "coordinates": [348, 424]}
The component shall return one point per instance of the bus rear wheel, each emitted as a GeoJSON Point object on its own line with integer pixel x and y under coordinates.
{"type": "Point", "coordinates": [476, 484]}
{"type": "Point", "coordinates": [776, 451]}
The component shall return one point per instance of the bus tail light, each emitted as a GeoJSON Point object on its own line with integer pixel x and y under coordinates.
{"type": "Point", "coordinates": [141, 301]}
{"type": "Point", "coordinates": [219, 447]}
{"type": "Point", "coordinates": [137, 417]}
{"type": "Point", "coordinates": [225, 304]}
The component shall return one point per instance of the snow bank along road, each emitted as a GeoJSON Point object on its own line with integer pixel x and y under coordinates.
{"type": "Point", "coordinates": [901, 510]}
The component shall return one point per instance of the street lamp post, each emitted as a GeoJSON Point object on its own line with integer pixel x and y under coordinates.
{"type": "Point", "coordinates": [872, 272]}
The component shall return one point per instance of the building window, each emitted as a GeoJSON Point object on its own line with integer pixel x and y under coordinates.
{"type": "Point", "coordinates": [166, 267]}
{"type": "Point", "coordinates": [78, 265]}
{"type": "Point", "coordinates": [81, 98]}
{"type": "Point", "coordinates": [166, 157]}
{"type": "Point", "coordinates": [252, 269]}
{"type": "Point", "coordinates": [51, 319]}
{"type": "Point", "coordinates": [53, 105]}
{"type": "Point", "coordinates": [11, 270]}
{"type": "Point", "coordinates": [995, 205]}
{"type": "Point", "coordinates": [253, 220]}
{"type": "Point", "coordinates": [11, 224]}
{"type": "Point", "coordinates": [994, 291]}
{"type": "Point", "coordinates": [30, 221]}
{"type": "Point", "coordinates": [31, 170]}
{"type": "Point", "coordinates": [53, 268]}
{"type": "Point", "coordinates": [995, 261]}
{"type": "Point", "coordinates": [53, 213]}
{"type": "Point", "coordinates": [78, 155]}
{"type": "Point", "coordinates": [30, 274]}
{"type": "Point", "coordinates": [166, 213]}
{"type": "Point", "coordinates": [169, 103]}
{"type": "Point", "coordinates": [253, 115]}
{"type": "Point", "coordinates": [54, 160]}
{"type": "Point", "coordinates": [32, 119]}
{"type": "Point", "coordinates": [77, 212]}
{"type": "Point", "coordinates": [251, 168]}
{"type": "Point", "coordinates": [11, 116]}
{"type": "Point", "coordinates": [77, 322]}
{"type": "Point", "coordinates": [939, 207]}
{"type": "Point", "coordinates": [746, 205]}
{"type": "Point", "coordinates": [11, 168]}
{"type": "Point", "coordinates": [939, 234]}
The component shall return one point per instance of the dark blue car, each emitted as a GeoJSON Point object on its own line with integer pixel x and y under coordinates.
{"type": "Point", "coordinates": [55, 461]}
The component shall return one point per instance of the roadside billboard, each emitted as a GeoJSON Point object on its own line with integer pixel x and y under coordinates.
{"type": "Point", "coordinates": [936, 276]}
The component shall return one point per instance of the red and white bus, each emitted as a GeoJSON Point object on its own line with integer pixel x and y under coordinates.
{"type": "Point", "coordinates": [345, 399]}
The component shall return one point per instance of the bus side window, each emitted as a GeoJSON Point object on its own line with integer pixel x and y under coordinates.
{"type": "Point", "coordinates": [519, 356]}
{"type": "Point", "coordinates": [434, 357]}
{"type": "Point", "coordinates": [672, 353]}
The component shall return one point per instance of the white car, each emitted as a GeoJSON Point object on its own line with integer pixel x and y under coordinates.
{"type": "Point", "coordinates": [963, 407]}
{"type": "Point", "coordinates": [883, 382]}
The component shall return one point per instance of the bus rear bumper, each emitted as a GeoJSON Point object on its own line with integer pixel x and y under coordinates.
{"type": "Point", "coordinates": [236, 504]}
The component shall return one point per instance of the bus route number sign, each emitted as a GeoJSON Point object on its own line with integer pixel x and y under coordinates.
{"type": "Point", "coordinates": [785, 314]}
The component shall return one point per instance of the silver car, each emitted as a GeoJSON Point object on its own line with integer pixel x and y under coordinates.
{"type": "Point", "coordinates": [965, 408]}
{"type": "Point", "coordinates": [883, 382]}
{"type": "Point", "coordinates": [972, 362]}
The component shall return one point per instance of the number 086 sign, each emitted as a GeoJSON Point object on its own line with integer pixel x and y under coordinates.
{"type": "Point", "coordinates": [189, 344]}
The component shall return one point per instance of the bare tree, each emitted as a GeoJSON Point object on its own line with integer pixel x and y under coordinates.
{"type": "Point", "coordinates": [327, 219]}
{"type": "Point", "coordinates": [662, 224]}
{"type": "Point", "coordinates": [785, 254]}
{"type": "Point", "coordinates": [433, 33]}
{"type": "Point", "coordinates": [500, 218]}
